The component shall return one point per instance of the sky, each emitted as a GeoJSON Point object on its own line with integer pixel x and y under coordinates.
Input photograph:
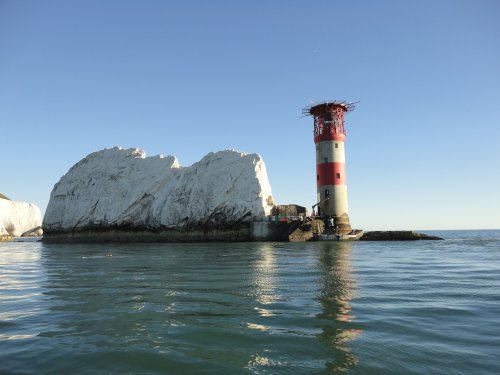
{"type": "Point", "coordinates": [190, 77]}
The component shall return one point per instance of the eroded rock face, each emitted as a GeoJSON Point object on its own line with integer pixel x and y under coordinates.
{"type": "Point", "coordinates": [121, 188]}
{"type": "Point", "coordinates": [17, 218]}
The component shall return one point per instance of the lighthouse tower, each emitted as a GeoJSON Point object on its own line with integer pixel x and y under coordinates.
{"type": "Point", "coordinates": [329, 138]}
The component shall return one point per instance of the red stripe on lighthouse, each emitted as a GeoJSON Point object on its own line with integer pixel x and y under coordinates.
{"type": "Point", "coordinates": [329, 137]}
{"type": "Point", "coordinates": [331, 174]}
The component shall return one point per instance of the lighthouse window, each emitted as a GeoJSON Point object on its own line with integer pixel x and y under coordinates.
{"type": "Point", "coordinates": [336, 145]}
{"type": "Point", "coordinates": [326, 159]}
{"type": "Point", "coordinates": [317, 177]}
{"type": "Point", "coordinates": [338, 176]}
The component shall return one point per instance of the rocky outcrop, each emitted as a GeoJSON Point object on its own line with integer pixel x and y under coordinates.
{"type": "Point", "coordinates": [5, 238]}
{"type": "Point", "coordinates": [17, 218]}
{"type": "Point", "coordinates": [34, 232]}
{"type": "Point", "coordinates": [117, 190]}
{"type": "Point", "coordinates": [301, 233]}
{"type": "Point", "coordinates": [403, 235]}
{"type": "Point", "coordinates": [306, 231]}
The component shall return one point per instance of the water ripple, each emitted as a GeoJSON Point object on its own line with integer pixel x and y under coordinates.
{"type": "Point", "coordinates": [369, 308]}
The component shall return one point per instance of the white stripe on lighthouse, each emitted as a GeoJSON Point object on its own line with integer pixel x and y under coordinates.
{"type": "Point", "coordinates": [332, 150]}
{"type": "Point", "coordinates": [337, 204]}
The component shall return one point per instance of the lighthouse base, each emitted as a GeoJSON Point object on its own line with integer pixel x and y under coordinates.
{"type": "Point", "coordinates": [342, 225]}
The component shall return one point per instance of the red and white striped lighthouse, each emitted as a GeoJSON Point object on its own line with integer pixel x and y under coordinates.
{"type": "Point", "coordinates": [329, 138]}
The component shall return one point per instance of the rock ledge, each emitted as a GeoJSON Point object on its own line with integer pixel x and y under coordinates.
{"type": "Point", "coordinates": [399, 235]}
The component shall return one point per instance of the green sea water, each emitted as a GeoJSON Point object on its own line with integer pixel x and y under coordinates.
{"type": "Point", "coordinates": [422, 307]}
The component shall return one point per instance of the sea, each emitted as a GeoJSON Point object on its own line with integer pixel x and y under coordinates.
{"type": "Point", "coordinates": [416, 307]}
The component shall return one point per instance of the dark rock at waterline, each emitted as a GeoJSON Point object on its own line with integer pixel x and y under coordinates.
{"type": "Point", "coordinates": [398, 235]}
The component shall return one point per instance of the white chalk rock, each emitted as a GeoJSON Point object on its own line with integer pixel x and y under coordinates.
{"type": "Point", "coordinates": [18, 217]}
{"type": "Point", "coordinates": [122, 188]}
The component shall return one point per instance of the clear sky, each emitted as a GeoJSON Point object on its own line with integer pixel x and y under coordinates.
{"type": "Point", "coordinates": [190, 77]}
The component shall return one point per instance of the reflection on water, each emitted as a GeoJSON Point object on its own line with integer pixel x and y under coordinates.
{"type": "Point", "coordinates": [331, 286]}
{"type": "Point", "coordinates": [21, 297]}
{"type": "Point", "coordinates": [338, 289]}
{"type": "Point", "coordinates": [265, 277]}
{"type": "Point", "coordinates": [119, 301]}
{"type": "Point", "coordinates": [255, 308]}
{"type": "Point", "coordinates": [224, 308]}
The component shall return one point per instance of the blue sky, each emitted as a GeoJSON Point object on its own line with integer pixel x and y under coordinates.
{"type": "Point", "coordinates": [186, 78]}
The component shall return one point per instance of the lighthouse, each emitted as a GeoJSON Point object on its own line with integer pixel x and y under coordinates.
{"type": "Point", "coordinates": [329, 139]}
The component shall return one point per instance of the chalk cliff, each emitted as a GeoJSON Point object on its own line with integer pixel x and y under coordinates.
{"type": "Point", "coordinates": [122, 189]}
{"type": "Point", "coordinates": [17, 218]}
